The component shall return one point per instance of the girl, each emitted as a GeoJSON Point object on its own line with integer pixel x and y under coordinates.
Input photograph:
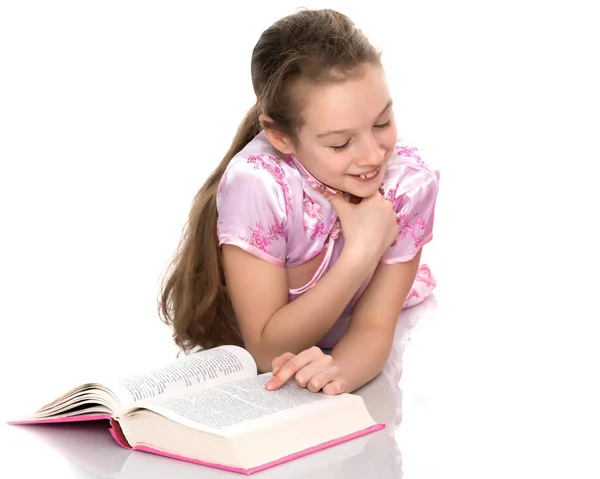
{"type": "Point", "coordinates": [308, 235]}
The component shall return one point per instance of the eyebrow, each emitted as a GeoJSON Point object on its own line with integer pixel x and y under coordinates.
{"type": "Point", "coordinates": [335, 132]}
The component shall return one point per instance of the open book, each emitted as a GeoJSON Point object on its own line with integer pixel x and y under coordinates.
{"type": "Point", "coordinates": [211, 408]}
{"type": "Point", "coordinates": [90, 452]}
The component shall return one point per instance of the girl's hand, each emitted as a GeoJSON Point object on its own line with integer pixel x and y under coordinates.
{"type": "Point", "coordinates": [312, 369]}
{"type": "Point", "coordinates": [369, 227]}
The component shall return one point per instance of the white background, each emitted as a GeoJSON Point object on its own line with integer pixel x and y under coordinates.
{"type": "Point", "coordinates": [112, 114]}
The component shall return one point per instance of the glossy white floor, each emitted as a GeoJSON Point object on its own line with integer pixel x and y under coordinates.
{"type": "Point", "coordinates": [106, 116]}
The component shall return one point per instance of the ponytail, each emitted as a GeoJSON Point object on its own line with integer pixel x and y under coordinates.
{"type": "Point", "coordinates": [194, 300]}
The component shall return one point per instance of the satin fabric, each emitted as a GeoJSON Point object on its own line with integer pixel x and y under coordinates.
{"type": "Point", "coordinates": [269, 205]}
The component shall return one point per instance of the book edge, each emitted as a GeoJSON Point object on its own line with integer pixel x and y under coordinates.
{"type": "Point", "coordinates": [114, 430]}
{"type": "Point", "coordinates": [268, 465]}
{"type": "Point", "coordinates": [61, 419]}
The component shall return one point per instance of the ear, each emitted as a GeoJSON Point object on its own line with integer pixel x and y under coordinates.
{"type": "Point", "coordinates": [280, 141]}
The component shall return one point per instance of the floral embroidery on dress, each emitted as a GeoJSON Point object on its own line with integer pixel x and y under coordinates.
{"type": "Point", "coordinates": [409, 152]}
{"type": "Point", "coordinates": [405, 228]}
{"type": "Point", "coordinates": [312, 209]}
{"type": "Point", "coordinates": [395, 200]}
{"type": "Point", "coordinates": [424, 275]}
{"type": "Point", "coordinates": [314, 183]}
{"type": "Point", "coordinates": [289, 161]}
{"type": "Point", "coordinates": [261, 239]}
{"type": "Point", "coordinates": [317, 231]}
{"type": "Point", "coordinates": [392, 198]}
{"type": "Point", "coordinates": [413, 294]}
{"type": "Point", "coordinates": [274, 167]}
{"type": "Point", "coordinates": [337, 230]}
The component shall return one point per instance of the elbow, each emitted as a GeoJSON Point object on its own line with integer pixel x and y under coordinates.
{"type": "Point", "coordinates": [264, 362]}
{"type": "Point", "coordinates": [264, 349]}
{"type": "Point", "coordinates": [261, 355]}
{"type": "Point", "coordinates": [264, 366]}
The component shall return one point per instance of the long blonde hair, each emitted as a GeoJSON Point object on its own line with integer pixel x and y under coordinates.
{"type": "Point", "coordinates": [314, 45]}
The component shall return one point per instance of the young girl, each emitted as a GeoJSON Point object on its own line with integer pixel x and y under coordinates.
{"type": "Point", "coordinates": [308, 235]}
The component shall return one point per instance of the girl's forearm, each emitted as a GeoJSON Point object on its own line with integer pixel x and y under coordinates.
{"type": "Point", "coordinates": [302, 323]}
{"type": "Point", "coordinates": [361, 354]}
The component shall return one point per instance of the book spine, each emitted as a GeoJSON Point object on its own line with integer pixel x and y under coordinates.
{"type": "Point", "coordinates": [117, 433]}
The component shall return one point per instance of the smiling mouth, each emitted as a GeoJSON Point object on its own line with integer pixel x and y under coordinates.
{"type": "Point", "coordinates": [369, 175]}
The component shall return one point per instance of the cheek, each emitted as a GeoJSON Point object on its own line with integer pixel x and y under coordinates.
{"type": "Point", "coordinates": [389, 137]}
{"type": "Point", "coordinates": [332, 168]}
{"type": "Point", "coordinates": [325, 166]}
{"type": "Point", "coordinates": [335, 165]}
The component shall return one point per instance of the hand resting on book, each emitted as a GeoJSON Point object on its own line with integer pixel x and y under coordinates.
{"type": "Point", "coordinates": [312, 369]}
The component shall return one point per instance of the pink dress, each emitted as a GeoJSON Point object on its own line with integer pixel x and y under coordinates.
{"type": "Point", "coordinates": [269, 206]}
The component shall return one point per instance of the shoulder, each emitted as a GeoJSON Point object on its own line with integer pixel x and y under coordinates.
{"type": "Point", "coordinates": [408, 172]}
{"type": "Point", "coordinates": [258, 160]}
{"type": "Point", "coordinates": [411, 185]}
{"type": "Point", "coordinates": [254, 201]}
{"type": "Point", "coordinates": [259, 174]}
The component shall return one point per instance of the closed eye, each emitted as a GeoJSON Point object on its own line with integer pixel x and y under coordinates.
{"type": "Point", "coordinates": [384, 125]}
{"type": "Point", "coordinates": [340, 147]}
{"type": "Point", "coordinates": [381, 126]}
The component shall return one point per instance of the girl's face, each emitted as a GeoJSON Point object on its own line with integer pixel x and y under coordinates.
{"type": "Point", "coordinates": [348, 132]}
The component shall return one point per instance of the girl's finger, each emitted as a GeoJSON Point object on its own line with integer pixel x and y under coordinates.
{"type": "Point", "coordinates": [318, 381]}
{"type": "Point", "coordinates": [312, 369]}
{"type": "Point", "coordinates": [337, 386]}
{"type": "Point", "coordinates": [290, 368]}
{"type": "Point", "coordinates": [279, 361]}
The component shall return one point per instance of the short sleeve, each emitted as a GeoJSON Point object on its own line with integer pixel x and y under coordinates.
{"type": "Point", "coordinates": [251, 207]}
{"type": "Point", "coordinates": [413, 194]}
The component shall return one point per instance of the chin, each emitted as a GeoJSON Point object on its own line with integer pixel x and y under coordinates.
{"type": "Point", "coordinates": [363, 192]}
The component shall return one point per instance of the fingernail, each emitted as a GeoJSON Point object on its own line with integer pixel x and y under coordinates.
{"type": "Point", "coordinates": [270, 385]}
{"type": "Point", "coordinates": [276, 370]}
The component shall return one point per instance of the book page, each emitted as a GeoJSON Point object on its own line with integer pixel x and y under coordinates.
{"type": "Point", "coordinates": [198, 370]}
{"type": "Point", "coordinates": [224, 408]}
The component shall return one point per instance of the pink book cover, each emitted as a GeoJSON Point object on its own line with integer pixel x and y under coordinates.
{"type": "Point", "coordinates": [119, 437]}
{"type": "Point", "coordinates": [115, 429]}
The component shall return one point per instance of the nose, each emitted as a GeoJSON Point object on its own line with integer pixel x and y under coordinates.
{"type": "Point", "coordinates": [371, 154]}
